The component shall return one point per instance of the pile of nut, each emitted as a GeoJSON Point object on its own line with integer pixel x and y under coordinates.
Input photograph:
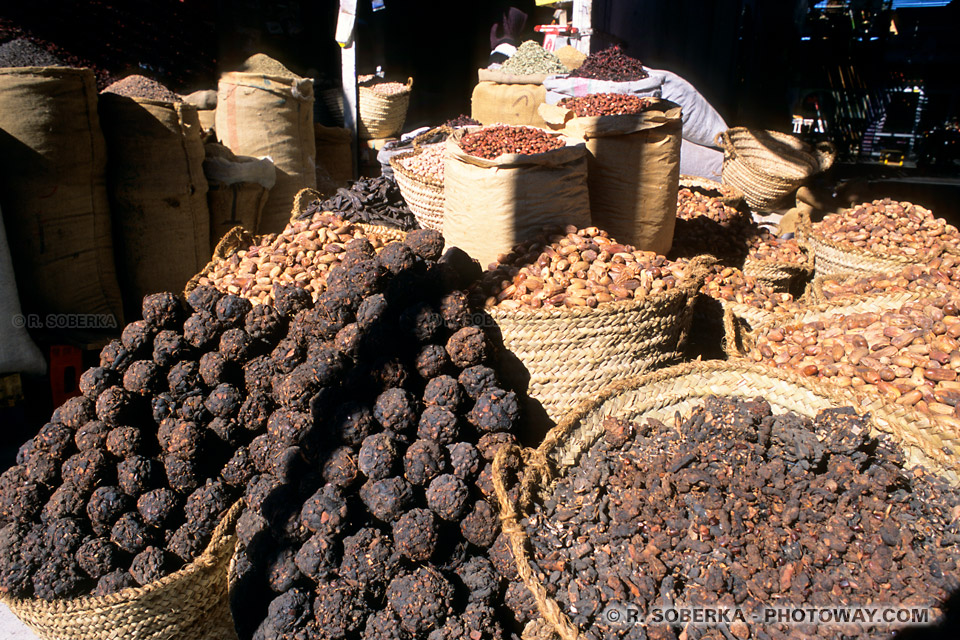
{"type": "Point", "coordinates": [939, 276]}
{"type": "Point", "coordinates": [606, 104]}
{"type": "Point", "coordinates": [766, 247]}
{"type": "Point", "coordinates": [576, 268]}
{"type": "Point", "coordinates": [497, 140]}
{"type": "Point", "coordinates": [732, 285]}
{"type": "Point", "coordinates": [910, 355]}
{"type": "Point", "coordinates": [889, 227]}
{"type": "Point", "coordinates": [301, 255]}
{"type": "Point", "coordinates": [734, 507]}
{"type": "Point", "coordinates": [389, 88]}
{"type": "Point", "coordinates": [428, 162]}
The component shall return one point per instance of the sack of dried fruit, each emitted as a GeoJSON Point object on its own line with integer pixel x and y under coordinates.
{"type": "Point", "coordinates": [633, 162]}
{"type": "Point", "coordinates": [504, 184]}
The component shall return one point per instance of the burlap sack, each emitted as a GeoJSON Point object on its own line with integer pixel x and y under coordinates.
{"type": "Point", "coordinates": [260, 115]}
{"type": "Point", "coordinates": [158, 193]}
{"type": "Point", "coordinates": [239, 186]}
{"type": "Point", "coordinates": [18, 353]}
{"type": "Point", "coordinates": [507, 103]}
{"type": "Point", "coordinates": [52, 191]}
{"type": "Point", "coordinates": [491, 205]}
{"type": "Point", "coordinates": [633, 170]}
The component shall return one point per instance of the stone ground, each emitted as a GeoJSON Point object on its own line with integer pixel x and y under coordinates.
{"type": "Point", "coordinates": [11, 628]}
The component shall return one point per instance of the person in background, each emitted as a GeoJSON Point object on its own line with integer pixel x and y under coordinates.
{"type": "Point", "coordinates": [505, 36]}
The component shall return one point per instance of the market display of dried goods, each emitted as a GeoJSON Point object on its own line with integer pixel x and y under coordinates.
{"type": "Point", "coordinates": [531, 58]}
{"type": "Point", "coordinates": [706, 225]}
{"type": "Point", "coordinates": [766, 247]}
{"type": "Point", "coordinates": [611, 64]}
{"type": "Point", "coordinates": [606, 104]}
{"type": "Point", "coordinates": [388, 88]}
{"type": "Point", "coordinates": [497, 140]}
{"type": "Point", "coordinates": [137, 86]}
{"type": "Point", "coordinates": [301, 256]}
{"type": "Point", "coordinates": [734, 507]}
{"type": "Point", "coordinates": [938, 276]}
{"type": "Point", "coordinates": [428, 162]}
{"type": "Point", "coordinates": [370, 200]}
{"type": "Point", "coordinates": [730, 284]}
{"type": "Point", "coordinates": [576, 268]}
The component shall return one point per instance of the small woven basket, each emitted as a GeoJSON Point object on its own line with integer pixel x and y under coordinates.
{"type": "Point", "coordinates": [767, 166]}
{"type": "Point", "coordinates": [564, 355]}
{"type": "Point", "coordinates": [191, 603]}
{"type": "Point", "coordinates": [725, 193]}
{"type": "Point", "coordinates": [681, 388]}
{"type": "Point", "coordinates": [382, 116]}
{"type": "Point", "coordinates": [782, 276]}
{"type": "Point", "coordinates": [423, 194]}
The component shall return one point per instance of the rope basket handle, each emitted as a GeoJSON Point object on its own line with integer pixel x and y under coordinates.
{"type": "Point", "coordinates": [722, 140]}
{"type": "Point", "coordinates": [312, 194]}
{"type": "Point", "coordinates": [826, 154]}
{"type": "Point", "coordinates": [534, 464]}
{"type": "Point", "coordinates": [418, 140]}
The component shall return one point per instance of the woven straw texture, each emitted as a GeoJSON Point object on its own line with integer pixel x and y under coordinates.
{"type": "Point", "coordinates": [782, 276]}
{"type": "Point", "coordinates": [833, 259]}
{"type": "Point", "coordinates": [382, 116]}
{"type": "Point", "coordinates": [681, 388]}
{"type": "Point", "coordinates": [767, 165]}
{"type": "Point", "coordinates": [191, 603]}
{"type": "Point", "coordinates": [571, 354]}
{"type": "Point", "coordinates": [423, 194]}
{"type": "Point", "coordinates": [725, 193]}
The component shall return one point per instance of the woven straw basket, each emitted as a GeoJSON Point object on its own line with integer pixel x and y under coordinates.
{"type": "Point", "coordinates": [423, 194]}
{"type": "Point", "coordinates": [191, 603]}
{"type": "Point", "coordinates": [767, 166]}
{"type": "Point", "coordinates": [566, 355]}
{"type": "Point", "coordinates": [682, 388]}
{"type": "Point", "coordinates": [725, 193]}
{"type": "Point", "coordinates": [382, 116]}
{"type": "Point", "coordinates": [782, 276]}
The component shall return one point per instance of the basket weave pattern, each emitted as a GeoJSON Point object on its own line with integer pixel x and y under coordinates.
{"type": "Point", "coordinates": [191, 603]}
{"type": "Point", "coordinates": [423, 194]}
{"type": "Point", "coordinates": [382, 116]}
{"type": "Point", "coordinates": [835, 259]}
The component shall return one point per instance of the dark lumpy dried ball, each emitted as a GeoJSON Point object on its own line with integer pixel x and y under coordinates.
{"type": "Point", "coordinates": [467, 347]}
{"type": "Point", "coordinates": [236, 345]}
{"type": "Point", "coordinates": [288, 464]}
{"type": "Point", "coordinates": [25, 451]}
{"type": "Point", "coordinates": [348, 340]}
{"type": "Point", "coordinates": [501, 556]}
{"type": "Point", "coordinates": [232, 309]}
{"type": "Point", "coordinates": [65, 502]}
{"type": "Point", "coordinates": [439, 424]}
{"type": "Point", "coordinates": [355, 281]}
{"type": "Point", "coordinates": [77, 411]}
{"type": "Point", "coordinates": [397, 257]}
{"type": "Point", "coordinates": [159, 507]}
{"type": "Point", "coordinates": [480, 579]}
{"type": "Point", "coordinates": [59, 579]}
{"type": "Point", "coordinates": [383, 625]}
{"type": "Point", "coordinates": [183, 378]}
{"type": "Point", "coordinates": [339, 609]}
{"type": "Point", "coordinates": [54, 439]}
{"type": "Point", "coordinates": [325, 510]}
{"type": "Point", "coordinates": [215, 369]}
{"type": "Point", "coordinates": [448, 496]}
{"type": "Point", "coordinates": [353, 422]}
{"type": "Point", "coordinates": [254, 412]}
{"type": "Point", "coordinates": [520, 601]}
{"type": "Point", "coordinates": [224, 401]}
{"type": "Point", "coordinates": [137, 475]}
{"type": "Point", "coordinates": [187, 542]}
{"type": "Point", "coordinates": [490, 443]}
{"type": "Point", "coordinates": [432, 361]}
{"type": "Point", "coordinates": [287, 355]}
{"type": "Point", "coordinates": [291, 299]}
{"type": "Point", "coordinates": [25, 502]}
{"type": "Point", "coordinates": [169, 347]}
{"type": "Point", "coordinates": [426, 243]}
{"type": "Point", "coordinates": [124, 442]}
{"type": "Point", "coordinates": [477, 380]}
{"type": "Point", "coordinates": [395, 409]}
{"type": "Point", "coordinates": [206, 505]}
{"type": "Point", "coordinates": [331, 313]}
{"type": "Point", "coordinates": [423, 461]}
{"type": "Point", "coordinates": [184, 440]}
{"type": "Point", "coordinates": [378, 456]}
{"type": "Point", "coordinates": [132, 534]}
{"type": "Point", "coordinates": [63, 536]}
{"type": "Point", "coordinates": [318, 558]}
{"type": "Point", "coordinates": [192, 408]}
{"type": "Point", "coordinates": [95, 380]}
{"type": "Point", "coordinates": [443, 391]}
{"type": "Point", "coordinates": [422, 599]}
{"type": "Point", "coordinates": [227, 430]}
{"type": "Point", "coordinates": [162, 310]}
{"type": "Point", "coordinates": [495, 410]}
{"type": "Point", "coordinates": [98, 557]}
{"type": "Point", "coordinates": [264, 323]}
{"type": "Point", "coordinates": [340, 468]}
{"type": "Point", "coordinates": [114, 582]}
{"type": "Point", "coordinates": [484, 482]}
{"type": "Point", "coordinates": [369, 559]}
{"type": "Point", "coordinates": [455, 310]}
{"type": "Point", "coordinates": [326, 362]}
{"type": "Point", "coordinates": [421, 322]}
{"type": "Point", "coordinates": [372, 312]}
{"type": "Point", "coordinates": [33, 543]}
{"type": "Point", "coordinates": [464, 460]}
{"type": "Point", "coordinates": [204, 298]}
{"type": "Point", "coordinates": [289, 427]}
{"type": "Point", "coordinates": [115, 406]}
{"type": "Point", "coordinates": [263, 449]}
{"type": "Point", "coordinates": [481, 525]}
{"type": "Point", "coordinates": [295, 389]}
{"type": "Point", "coordinates": [149, 565]}
{"type": "Point", "coordinates": [258, 375]}
{"type": "Point", "coordinates": [183, 476]}
{"type": "Point", "coordinates": [201, 330]}
{"type": "Point", "coordinates": [387, 499]}
{"type": "Point", "coordinates": [287, 615]}
{"type": "Point", "coordinates": [239, 468]}
{"type": "Point", "coordinates": [282, 571]}
{"type": "Point", "coordinates": [136, 337]}
{"type": "Point", "coordinates": [389, 372]}
{"type": "Point", "coordinates": [162, 406]}
{"type": "Point", "coordinates": [415, 534]}
{"type": "Point", "coordinates": [42, 467]}
{"type": "Point", "coordinates": [106, 504]}
{"type": "Point", "coordinates": [113, 356]}
{"type": "Point", "coordinates": [86, 470]}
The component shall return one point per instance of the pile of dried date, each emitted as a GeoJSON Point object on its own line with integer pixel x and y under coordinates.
{"type": "Point", "coordinates": [889, 227]}
{"type": "Point", "coordinates": [606, 104]}
{"type": "Point", "coordinates": [939, 276]}
{"type": "Point", "coordinates": [706, 225]}
{"type": "Point", "coordinates": [576, 268]}
{"type": "Point", "coordinates": [730, 284]}
{"type": "Point", "coordinates": [733, 506]}
{"type": "Point", "coordinates": [497, 140]}
{"type": "Point", "coordinates": [766, 247]}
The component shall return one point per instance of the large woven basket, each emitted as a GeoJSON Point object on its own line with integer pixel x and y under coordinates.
{"type": "Point", "coordinates": [725, 193]}
{"type": "Point", "coordinates": [423, 194]}
{"type": "Point", "coordinates": [681, 388]}
{"type": "Point", "coordinates": [563, 355]}
{"type": "Point", "coordinates": [382, 116]}
{"type": "Point", "coordinates": [782, 276]}
{"type": "Point", "coordinates": [767, 166]}
{"type": "Point", "coordinates": [191, 603]}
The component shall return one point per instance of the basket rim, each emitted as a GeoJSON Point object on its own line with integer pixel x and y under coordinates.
{"type": "Point", "coordinates": [411, 175]}
{"type": "Point", "coordinates": [809, 232]}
